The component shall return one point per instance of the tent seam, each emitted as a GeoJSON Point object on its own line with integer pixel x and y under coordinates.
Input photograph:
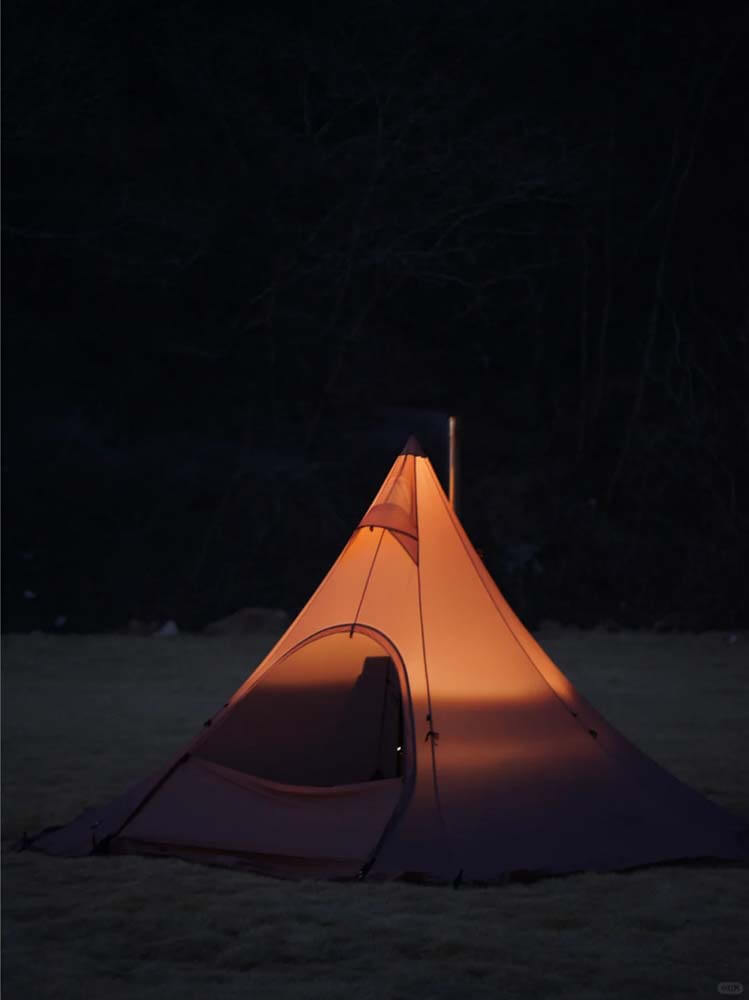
{"type": "Point", "coordinates": [366, 582]}
{"type": "Point", "coordinates": [430, 717]}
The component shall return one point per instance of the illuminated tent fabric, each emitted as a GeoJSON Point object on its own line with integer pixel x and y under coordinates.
{"type": "Point", "coordinates": [407, 724]}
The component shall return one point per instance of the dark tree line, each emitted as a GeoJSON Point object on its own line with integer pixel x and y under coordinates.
{"type": "Point", "coordinates": [231, 240]}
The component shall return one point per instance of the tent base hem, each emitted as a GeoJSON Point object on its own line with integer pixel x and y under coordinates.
{"type": "Point", "coordinates": [273, 865]}
{"type": "Point", "coordinates": [290, 868]}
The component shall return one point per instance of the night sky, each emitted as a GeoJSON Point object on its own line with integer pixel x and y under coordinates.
{"type": "Point", "coordinates": [249, 248]}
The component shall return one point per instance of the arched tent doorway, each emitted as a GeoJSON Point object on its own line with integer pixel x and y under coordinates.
{"type": "Point", "coordinates": [334, 710]}
{"type": "Point", "coordinates": [307, 770]}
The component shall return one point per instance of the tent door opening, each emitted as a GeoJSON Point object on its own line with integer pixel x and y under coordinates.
{"type": "Point", "coordinates": [378, 684]}
{"type": "Point", "coordinates": [328, 713]}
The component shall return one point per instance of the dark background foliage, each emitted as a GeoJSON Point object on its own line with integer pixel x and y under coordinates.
{"type": "Point", "coordinates": [249, 248]}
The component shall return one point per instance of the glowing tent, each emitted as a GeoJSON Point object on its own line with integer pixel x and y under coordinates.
{"type": "Point", "coordinates": [407, 724]}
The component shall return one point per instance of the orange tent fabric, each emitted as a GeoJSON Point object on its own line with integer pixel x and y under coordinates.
{"type": "Point", "coordinates": [408, 725]}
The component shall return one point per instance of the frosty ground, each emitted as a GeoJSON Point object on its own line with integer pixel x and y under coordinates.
{"type": "Point", "coordinates": [84, 716]}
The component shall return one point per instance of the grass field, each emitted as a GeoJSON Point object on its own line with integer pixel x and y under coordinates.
{"type": "Point", "coordinates": [83, 716]}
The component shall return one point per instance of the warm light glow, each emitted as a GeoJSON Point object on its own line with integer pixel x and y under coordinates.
{"type": "Point", "coordinates": [327, 662]}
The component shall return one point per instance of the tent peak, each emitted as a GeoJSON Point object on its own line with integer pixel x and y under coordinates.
{"type": "Point", "coordinates": [412, 447]}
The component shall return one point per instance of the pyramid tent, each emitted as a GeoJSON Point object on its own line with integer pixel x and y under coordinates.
{"type": "Point", "coordinates": [408, 725]}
